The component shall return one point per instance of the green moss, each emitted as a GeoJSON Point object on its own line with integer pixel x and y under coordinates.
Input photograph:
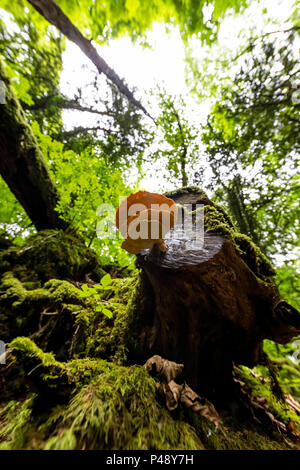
{"type": "Point", "coordinates": [235, 435]}
{"type": "Point", "coordinates": [12, 290]}
{"type": "Point", "coordinates": [83, 371]}
{"type": "Point", "coordinates": [185, 191]}
{"type": "Point", "coordinates": [31, 285]}
{"type": "Point", "coordinates": [226, 217]}
{"type": "Point", "coordinates": [118, 410]}
{"type": "Point", "coordinates": [54, 291]}
{"type": "Point", "coordinates": [37, 295]}
{"type": "Point", "coordinates": [217, 221]}
{"type": "Point", "coordinates": [115, 407]}
{"type": "Point", "coordinates": [253, 256]}
{"type": "Point", "coordinates": [51, 254]}
{"type": "Point", "coordinates": [289, 376]}
{"type": "Point", "coordinates": [46, 373]}
{"type": "Point", "coordinates": [214, 221]}
{"type": "Point", "coordinates": [96, 335]}
{"type": "Point", "coordinates": [111, 407]}
{"type": "Point", "coordinates": [12, 298]}
{"type": "Point", "coordinates": [25, 348]}
{"type": "Point", "coordinates": [62, 291]}
{"type": "Point", "coordinates": [100, 336]}
{"type": "Point", "coordinates": [21, 308]}
{"type": "Point", "coordinates": [263, 388]}
{"type": "Point", "coordinates": [16, 426]}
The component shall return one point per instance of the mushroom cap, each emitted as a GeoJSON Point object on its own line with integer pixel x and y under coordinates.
{"type": "Point", "coordinates": [146, 199]}
{"type": "Point", "coordinates": [153, 216]}
{"type": "Point", "coordinates": [152, 224]}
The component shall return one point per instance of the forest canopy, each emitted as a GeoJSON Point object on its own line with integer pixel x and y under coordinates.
{"type": "Point", "coordinates": [245, 152]}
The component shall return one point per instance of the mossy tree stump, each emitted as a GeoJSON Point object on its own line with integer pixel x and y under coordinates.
{"type": "Point", "coordinates": [211, 308]}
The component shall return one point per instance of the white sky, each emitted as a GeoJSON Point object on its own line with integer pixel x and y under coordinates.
{"type": "Point", "coordinates": [144, 68]}
{"type": "Point", "coordinates": [165, 64]}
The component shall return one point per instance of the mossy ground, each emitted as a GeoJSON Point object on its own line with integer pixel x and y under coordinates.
{"type": "Point", "coordinates": [51, 254]}
{"type": "Point", "coordinates": [261, 386]}
{"type": "Point", "coordinates": [70, 382]}
{"type": "Point", "coordinates": [108, 406]}
{"type": "Point", "coordinates": [100, 336]}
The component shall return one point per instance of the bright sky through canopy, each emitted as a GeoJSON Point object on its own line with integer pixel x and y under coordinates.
{"type": "Point", "coordinates": [164, 64]}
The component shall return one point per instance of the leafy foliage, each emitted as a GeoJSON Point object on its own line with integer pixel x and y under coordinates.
{"type": "Point", "coordinates": [178, 145]}
{"type": "Point", "coordinates": [115, 18]}
{"type": "Point", "coordinates": [34, 62]}
{"type": "Point", "coordinates": [252, 144]}
{"type": "Point", "coordinates": [93, 292]}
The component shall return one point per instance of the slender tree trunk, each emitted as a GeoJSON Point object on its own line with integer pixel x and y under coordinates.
{"type": "Point", "coordinates": [22, 164]}
{"type": "Point", "coordinates": [183, 168]}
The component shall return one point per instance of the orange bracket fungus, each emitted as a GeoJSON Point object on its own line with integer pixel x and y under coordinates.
{"type": "Point", "coordinates": [144, 219]}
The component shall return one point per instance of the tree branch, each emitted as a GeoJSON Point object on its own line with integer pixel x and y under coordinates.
{"type": "Point", "coordinates": [82, 130]}
{"type": "Point", "coordinates": [293, 28]}
{"type": "Point", "coordinates": [63, 103]}
{"type": "Point", "coordinates": [52, 13]}
{"type": "Point", "coordinates": [23, 166]}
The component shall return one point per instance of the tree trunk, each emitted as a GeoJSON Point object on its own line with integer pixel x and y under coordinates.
{"type": "Point", "coordinates": [210, 309]}
{"type": "Point", "coordinates": [22, 163]}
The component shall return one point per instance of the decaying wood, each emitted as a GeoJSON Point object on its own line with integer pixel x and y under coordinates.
{"type": "Point", "coordinates": [179, 394]}
{"type": "Point", "coordinates": [210, 309]}
{"type": "Point", "coordinates": [261, 413]}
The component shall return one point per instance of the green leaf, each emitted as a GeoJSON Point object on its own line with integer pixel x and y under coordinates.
{"type": "Point", "coordinates": [99, 308]}
{"type": "Point", "coordinates": [106, 280]}
{"type": "Point", "coordinates": [107, 313]}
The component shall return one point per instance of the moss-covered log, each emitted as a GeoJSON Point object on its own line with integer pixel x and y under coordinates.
{"type": "Point", "coordinates": [22, 163]}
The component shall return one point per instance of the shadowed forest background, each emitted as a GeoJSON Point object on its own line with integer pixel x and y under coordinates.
{"type": "Point", "coordinates": [74, 137]}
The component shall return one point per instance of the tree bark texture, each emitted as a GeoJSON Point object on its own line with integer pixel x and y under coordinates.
{"type": "Point", "coordinates": [210, 310]}
{"type": "Point", "coordinates": [22, 164]}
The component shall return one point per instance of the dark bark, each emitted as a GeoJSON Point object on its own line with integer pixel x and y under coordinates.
{"type": "Point", "coordinates": [52, 13]}
{"type": "Point", "coordinates": [184, 177]}
{"type": "Point", "coordinates": [22, 164]}
{"type": "Point", "coordinates": [210, 310]}
{"type": "Point", "coordinates": [183, 167]}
